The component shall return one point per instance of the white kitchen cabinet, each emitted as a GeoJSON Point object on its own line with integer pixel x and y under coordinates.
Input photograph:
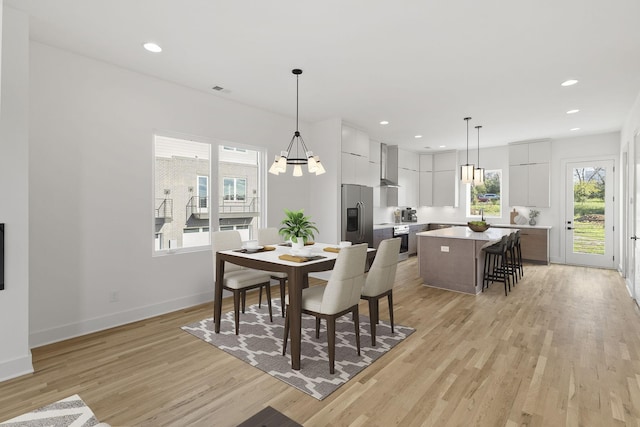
{"type": "Point", "coordinates": [518, 180]}
{"type": "Point", "coordinates": [426, 189]}
{"type": "Point", "coordinates": [518, 154]}
{"type": "Point", "coordinates": [529, 174]}
{"type": "Point", "coordinates": [426, 163]}
{"type": "Point", "coordinates": [408, 160]}
{"type": "Point", "coordinates": [445, 161]}
{"type": "Point", "coordinates": [374, 181]}
{"type": "Point", "coordinates": [445, 188]}
{"type": "Point", "coordinates": [539, 185]}
{"type": "Point", "coordinates": [408, 191]}
{"type": "Point", "coordinates": [445, 184]}
{"type": "Point", "coordinates": [355, 169]}
{"type": "Point", "coordinates": [374, 151]}
{"type": "Point", "coordinates": [355, 141]}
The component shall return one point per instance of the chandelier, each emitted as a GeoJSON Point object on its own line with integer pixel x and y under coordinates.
{"type": "Point", "coordinates": [301, 155]}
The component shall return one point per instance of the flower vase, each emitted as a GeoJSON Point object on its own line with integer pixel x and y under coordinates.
{"type": "Point", "coordinates": [532, 221]}
{"type": "Point", "coordinates": [297, 246]}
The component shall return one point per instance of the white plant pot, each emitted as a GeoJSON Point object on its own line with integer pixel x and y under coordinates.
{"type": "Point", "coordinates": [299, 245]}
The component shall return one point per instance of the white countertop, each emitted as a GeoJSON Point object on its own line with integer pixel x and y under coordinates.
{"type": "Point", "coordinates": [497, 225]}
{"type": "Point", "coordinates": [490, 235]}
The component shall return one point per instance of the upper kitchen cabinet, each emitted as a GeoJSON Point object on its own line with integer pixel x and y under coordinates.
{"type": "Point", "coordinates": [425, 185]}
{"type": "Point", "coordinates": [529, 173]}
{"type": "Point", "coordinates": [445, 183]}
{"type": "Point", "coordinates": [355, 141]}
{"type": "Point", "coordinates": [355, 156]}
{"type": "Point", "coordinates": [408, 178]}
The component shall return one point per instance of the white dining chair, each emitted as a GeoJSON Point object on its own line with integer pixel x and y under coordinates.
{"type": "Point", "coordinates": [335, 299]}
{"type": "Point", "coordinates": [238, 279]}
{"type": "Point", "coordinates": [270, 236]}
{"type": "Point", "coordinates": [379, 281]}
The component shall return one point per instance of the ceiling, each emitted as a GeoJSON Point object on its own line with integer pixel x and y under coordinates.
{"type": "Point", "coordinates": [422, 65]}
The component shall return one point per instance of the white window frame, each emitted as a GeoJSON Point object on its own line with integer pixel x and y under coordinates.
{"type": "Point", "coordinates": [213, 189]}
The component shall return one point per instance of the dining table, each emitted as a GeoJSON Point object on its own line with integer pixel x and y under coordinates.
{"type": "Point", "coordinates": [269, 259]}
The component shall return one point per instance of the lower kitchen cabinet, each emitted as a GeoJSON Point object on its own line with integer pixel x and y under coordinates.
{"type": "Point", "coordinates": [413, 239]}
{"type": "Point", "coordinates": [535, 245]}
{"type": "Point", "coordinates": [381, 234]}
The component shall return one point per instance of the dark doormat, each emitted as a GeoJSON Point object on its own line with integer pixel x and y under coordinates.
{"type": "Point", "coordinates": [269, 417]}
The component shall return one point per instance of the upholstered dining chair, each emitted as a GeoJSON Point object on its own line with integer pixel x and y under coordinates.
{"type": "Point", "coordinates": [379, 281]}
{"type": "Point", "coordinates": [338, 297]}
{"type": "Point", "coordinates": [270, 236]}
{"type": "Point", "coordinates": [238, 279]}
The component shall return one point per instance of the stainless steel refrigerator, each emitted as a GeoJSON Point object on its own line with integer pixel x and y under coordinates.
{"type": "Point", "coordinates": [357, 214]}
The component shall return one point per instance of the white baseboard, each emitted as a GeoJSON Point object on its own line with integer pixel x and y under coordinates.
{"type": "Point", "coordinates": [60, 333]}
{"type": "Point", "coordinates": [15, 368]}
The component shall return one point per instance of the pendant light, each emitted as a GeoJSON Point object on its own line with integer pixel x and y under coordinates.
{"type": "Point", "coordinates": [478, 173]}
{"type": "Point", "coordinates": [466, 171]}
{"type": "Point", "coordinates": [301, 155]}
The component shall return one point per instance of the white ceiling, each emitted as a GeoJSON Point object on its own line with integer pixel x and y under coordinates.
{"type": "Point", "coordinates": [423, 65]}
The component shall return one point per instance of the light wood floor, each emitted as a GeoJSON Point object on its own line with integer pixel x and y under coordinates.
{"type": "Point", "coordinates": [562, 349]}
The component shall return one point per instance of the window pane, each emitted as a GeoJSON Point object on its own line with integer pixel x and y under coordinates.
{"type": "Point", "coordinates": [588, 210]}
{"type": "Point", "coordinates": [241, 185]}
{"type": "Point", "coordinates": [182, 170]}
{"type": "Point", "coordinates": [485, 199]}
{"type": "Point", "coordinates": [239, 176]}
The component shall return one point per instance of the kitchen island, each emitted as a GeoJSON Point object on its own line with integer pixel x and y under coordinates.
{"type": "Point", "coordinates": [452, 258]}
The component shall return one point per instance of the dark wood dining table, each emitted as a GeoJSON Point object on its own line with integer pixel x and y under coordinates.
{"type": "Point", "coordinates": [297, 280]}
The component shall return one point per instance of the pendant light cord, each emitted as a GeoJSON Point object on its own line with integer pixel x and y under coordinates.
{"type": "Point", "coordinates": [466, 119]}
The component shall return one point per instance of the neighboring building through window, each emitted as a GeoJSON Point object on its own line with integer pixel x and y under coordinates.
{"type": "Point", "coordinates": [194, 196]}
{"type": "Point", "coordinates": [486, 199]}
{"type": "Point", "coordinates": [235, 188]}
{"type": "Point", "coordinates": [182, 171]}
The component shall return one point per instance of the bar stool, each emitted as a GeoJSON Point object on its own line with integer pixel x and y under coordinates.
{"type": "Point", "coordinates": [495, 265]}
{"type": "Point", "coordinates": [518, 250]}
{"type": "Point", "coordinates": [512, 261]}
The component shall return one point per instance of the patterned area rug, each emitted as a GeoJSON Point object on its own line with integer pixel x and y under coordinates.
{"type": "Point", "coordinates": [69, 412]}
{"type": "Point", "coordinates": [260, 345]}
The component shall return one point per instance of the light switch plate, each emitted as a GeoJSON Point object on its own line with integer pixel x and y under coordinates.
{"type": "Point", "coordinates": [444, 248]}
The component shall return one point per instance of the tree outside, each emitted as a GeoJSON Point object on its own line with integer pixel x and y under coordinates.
{"type": "Point", "coordinates": [588, 210]}
{"type": "Point", "coordinates": [486, 198]}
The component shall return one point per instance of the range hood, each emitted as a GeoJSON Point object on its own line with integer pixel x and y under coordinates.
{"type": "Point", "coordinates": [389, 166]}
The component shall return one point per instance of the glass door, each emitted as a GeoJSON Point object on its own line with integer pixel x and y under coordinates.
{"type": "Point", "coordinates": [589, 207]}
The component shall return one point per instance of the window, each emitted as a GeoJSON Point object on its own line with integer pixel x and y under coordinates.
{"type": "Point", "coordinates": [486, 199]}
{"type": "Point", "coordinates": [181, 188]}
{"type": "Point", "coordinates": [203, 191]}
{"type": "Point", "coordinates": [239, 150]}
{"type": "Point", "coordinates": [197, 190]}
{"type": "Point", "coordinates": [235, 189]}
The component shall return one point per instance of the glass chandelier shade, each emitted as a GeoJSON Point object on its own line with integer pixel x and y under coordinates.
{"type": "Point", "coordinates": [478, 173]}
{"type": "Point", "coordinates": [466, 171]}
{"type": "Point", "coordinates": [298, 146]}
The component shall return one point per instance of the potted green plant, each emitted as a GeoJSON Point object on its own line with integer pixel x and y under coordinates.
{"type": "Point", "coordinates": [297, 227]}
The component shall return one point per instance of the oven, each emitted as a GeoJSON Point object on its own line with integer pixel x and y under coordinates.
{"type": "Point", "coordinates": [402, 231]}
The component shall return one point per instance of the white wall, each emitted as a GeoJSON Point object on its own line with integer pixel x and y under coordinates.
{"type": "Point", "coordinates": [630, 128]}
{"type": "Point", "coordinates": [15, 356]}
{"type": "Point", "coordinates": [91, 190]}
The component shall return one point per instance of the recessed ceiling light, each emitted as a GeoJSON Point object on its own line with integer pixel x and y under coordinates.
{"type": "Point", "coordinates": [152, 47]}
{"type": "Point", "coordinates": [384, 122]}
{"type": "Point", "coordinates": [442, 146]}
{"type": "Point", "coordinates": [570, 82]}
{"type": "Point", "coordinates": [572, 111]}
{"type": "Point", "coordinates": [418, 136]}
{"type": "Point", "coordinates": [574, 129]}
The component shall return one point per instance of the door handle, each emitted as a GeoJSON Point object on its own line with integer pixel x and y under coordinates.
{"type": "Point", "coordinates": [633, 238]}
